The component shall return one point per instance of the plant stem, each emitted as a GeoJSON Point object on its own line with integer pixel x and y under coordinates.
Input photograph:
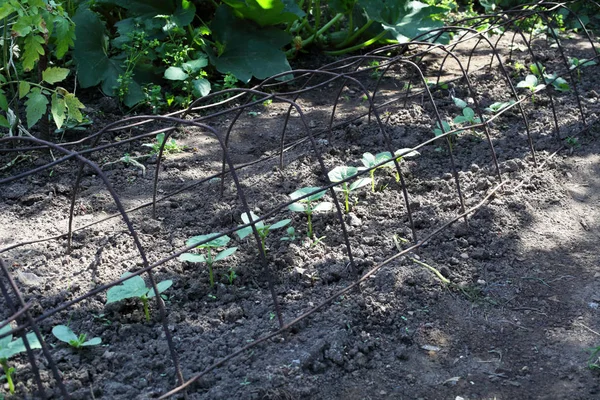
{"type": "Point", "coordinates": [357, 47]}
{"type": "Point", "coordinates": [355, 35]}
{"type": "Point", "coordinates": [310, 232]}
{"type": "Point", "coordinates": [372, 180]}
{"type": "Point", "coordinates": [146, 308]}
{"type": "Point", "coordinates": [437, 273]}
{"type": "Point", "coordinates": [209, 262]}
{"type": "Point", "coordinates": [8, 374]}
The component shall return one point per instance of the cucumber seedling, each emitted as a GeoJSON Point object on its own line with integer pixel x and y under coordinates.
{"type": "Point", "coordinates": [532, 83]}
{"type": "Point", "coordinates": [580, 63]}
{"type": "Point", "coordinates": [439, 131]}
{"type": "Point", "coordinates": [9, 348]}
{"type": "Point", "coordinates": [65, 334]}
{"type": "Point", "coordinates": [262, 228]}
{"type": "Point", "coordinates": [370, 161]}
{"type": "Point", "coordinates": [341, 173]}
{"type": "Point", "coordinates": [499, 106]}
{"type": "Point", "coordinates": [310, 204]}
{"type": "Point", "coordinates": [135, 287]}
{"type": "Point", "coordinates": [210, 246]}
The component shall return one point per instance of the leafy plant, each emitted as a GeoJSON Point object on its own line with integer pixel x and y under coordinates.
{"type": "Point", "coordinates": [370, 161]}
{"type": "Point", "coordinates": [135, 287]}
{"type": "Point", "coordinates": [210, 246]}
{"type": "Point", "coordinates": [231, 275]}
{"type": "Point", "coordinates": [9, 348]}
{"type": "Point", "coordinates": [290, 234]}
{"type": "Point", "coordinates": [262, 228]}
{"type": "Point", "coordinates": [310, 204]}
{"type": "Point", "coordinates": [170, 147]}
{"type": "Point", "coordinates": [341, 173]}
{"type": "Point", "coordinates": [35, 27]}
{"type": "Point", "coordinates": [439, 131]}
{"type": "Point", "coordinates": [65, 334]}
{"type": "Point", "coordinates": [531, 82]}
{"type": "Point", "coordinates": [468, 117]}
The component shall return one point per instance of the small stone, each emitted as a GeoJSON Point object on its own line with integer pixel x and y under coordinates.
{"type": "Point", "coordinates": [464, 256]}
{"type": "Point", "coordinates": [353, 220]}
{"type": "Point", "coordinates": [481, 282]}
{"type": "Point", "coordinates": [475, 168]}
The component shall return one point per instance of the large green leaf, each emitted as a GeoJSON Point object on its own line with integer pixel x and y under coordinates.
{"type": "Point", "coordinates": [218, 242]}
{"type": "Point", "coordinates": [246, 50]}
{"type": "Point", "coordinates": [161, 286]}
{"type": "Point", "coordinates": [143, 7]}
{"type": "Point", "coordinates": [93, 64]}
{"type": "Point", "coordinates": [404, 20]}
{"type": "Point", "coordinates": [35, 106]}
{"type": "Point", "coordinates": [53, 75]}
{"type": "Point", "coordinates": [132, 287]}
{"type": "Point", "coordinates": [9, 347]}
{"type": "Point", "coordinates": [266, 12]}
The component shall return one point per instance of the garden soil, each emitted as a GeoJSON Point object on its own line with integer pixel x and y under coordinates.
{"type": "Point", "coordinates": [517, 320]}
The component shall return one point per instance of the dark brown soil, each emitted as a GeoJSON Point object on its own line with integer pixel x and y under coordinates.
{"type": "Point", "coordinates": [516, 322]}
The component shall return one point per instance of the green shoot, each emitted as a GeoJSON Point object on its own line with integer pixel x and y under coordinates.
{"type": "Point", "coordinates": [9, 348]}
{"type": "Point", "coordinates": [209, 258]}
{"type": "Point", "coordinates": [341, 173]}
{"type": "Point", "coordinates": [230, 275]}
{"type": "Point", "coordinates": [537, 70]}
{"type": "Point", "coordinates": [370, 161]}
{"type": "Point", "coordinates": [65, 334]}
{"type": "Point", "coordinates": [594, 360]}
{"type": "Point", "coordinates": [439, 131]}
{"type": "Point", "coordinates": [170, 147]}
{"type": "Point", "coordinates": [308, 206]}
{"type": "Point", "coordinates": [135, 287]}
{"type": "Point", "coordinates": [459, 102]}
{"type": "Point", "coordinates": [531, 82]}
{"type": "Point", "coordinates": [262, 228]}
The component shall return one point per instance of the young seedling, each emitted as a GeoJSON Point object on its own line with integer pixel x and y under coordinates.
{"type": "Point", "coordinates": [210, 246]}
{"type": "Point", "coordinates": [580, 63]}
{"type": "Point", "coordinates": [499, 106]}
{"type": "Point", "coordinates": [290, 235]}
{"type": "Point", "coordinates": [370, 161]}
{"type": "Point", "coordinates": [439, 131]}
{"type": "Point", "coordinates": [135, 287]}
{"type": "Point", "coordinates": [308, 204]}
{"type": "Point", "coordinates": [65, 334]}
{"type": "Point", "coordinates": [531, 82]}
{"type": "Point", "coordinates": [9, 348]}
{"type": "Point", "coordinates": [537, 70]}
{"type": "Point", "coordinates": [557, 82]}
{"type": "Point", "coordinates": [460, 103]}
{"type": "Point", "coordinates": [341, 173]}
{"type": "Point", "coordinates": [262, 228]}
{"type": "Point", "coordinates": [230, 275]}
{"type": "Point", "coordinates": [468, 117]}
{"type": "Point", "coordinates": [170, 147]}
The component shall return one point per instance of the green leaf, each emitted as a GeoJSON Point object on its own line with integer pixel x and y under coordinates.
{"type": "Point", "coordinates": [360, 183]}
{"type": "Point", "coordinates": [190, 257]}
{"type": "Point", "coordinates": [93, 342]}
{"type": "Point", "coordinates": [91, 55]}
{"type": "Point", "coordinates": [340, 173]}
{"type": "Point", "coordinates": [280, 224]}
{"type": "Point", "coordinates": [468, 113]}
{"type": "Point", "coordinates": [9, 347]}
{"type": "Point", "coordinates": [58, 108]}
{"type": "Point", "coordinates": [266, 12]}
{"type": "Point", "coordinates": [132, 287]}
{"type": "Point", "coordinates": [7, 339]}
{"type": "Point", "coordinates": [248, 51]}
{"type": "Point", "coordinates": [175, 74]}
{"type": "Point", "coordinates": [246, 219]}
{"type": "Point", "coordinates": [459, 102]}
{"type": "Point", "coordinates": [242, 233]}
{"type": "Point", "coordinates": [74, 106]}
{"type": "Point", "coordinates": [6, 9]}
{"type": "Point", "coordinates": [35, 106]}
{"type": "Point", "coordinates": [64, 334]}
{"type": "Point", "coordinates": [218, 242]}
{"type": "Point", "coordinates": [54, 74]}
{"type": "Point", "coordinates": [185, 13]}
{"type": "Point", "coordinates": [225, 253]}
{"type": "Point", "coordinates": [161, 286]}
{"type": "Point", "coordinates": [298, 207]}
{"type": "Point", "coordinates": [24, 88]}
{"type": "Point", "coordinates": [194, 66]}
{"type": "Point", "coordinates": [306, 190]}
{"type": "Point", "coordinates": [201, 87]}
{"type": "Point", "coordinates": [65, 36]}
{"type": "Point", "coordinates": [33, 49]}
{"type": "Point", "coordinates": [4, 122]}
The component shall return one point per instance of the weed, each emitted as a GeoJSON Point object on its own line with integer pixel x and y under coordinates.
{"type": "Point", "coordinates": [262, 228]}
{"type": "Point", "coordinates": [230, 275]}
{"type": "Point", "coordinates": [341, 173]}
{"type": "Point", "coordinates": [65, 334]}
{"type": "Point", "coordinates": [211, 245]}
{"type": "Point", "coordinates": [267, 102]}
{"type": "Point", "coordinates": [170, 147]}
{"type": "Point", "coordinates": [307, 205]}
{"type": "Point", "coordinates": [375, 72]}
{"type": "Point", "coordinates": [135, 287]}
{"type": "Point", "coordinates": [9, 348]}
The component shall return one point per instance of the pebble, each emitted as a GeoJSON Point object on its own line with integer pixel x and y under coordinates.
{"type": "Point", "coordinates": [353, 220]}
{"type": "Point", "coordinates": [464, 256]}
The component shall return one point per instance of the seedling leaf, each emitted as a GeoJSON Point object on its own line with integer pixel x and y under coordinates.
{"type": "Point", "coordinates": [304, 191]}
{"type": "Point", "coordinates": [64, 334]}
{"type": "Point", "coordinates": [225, 253]}
{"type": "Point", "coordinates": [190, 257]}
{"type": "Point", "coordinates": [280, 224]}
{"type": "Point", "coordinates": [161, 286]}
